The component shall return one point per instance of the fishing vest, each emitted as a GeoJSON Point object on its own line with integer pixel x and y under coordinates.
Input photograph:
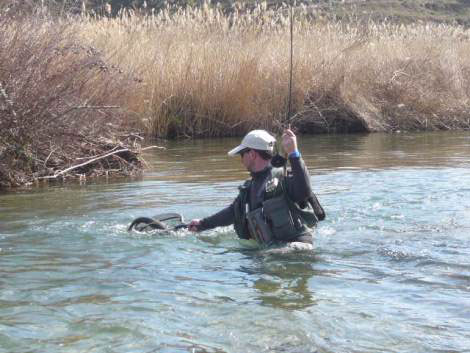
{"type": "Point", "coordinates": [285, 218]}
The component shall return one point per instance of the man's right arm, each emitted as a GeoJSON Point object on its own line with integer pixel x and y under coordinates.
{"type": "Point", "coordinates": [224, 217]}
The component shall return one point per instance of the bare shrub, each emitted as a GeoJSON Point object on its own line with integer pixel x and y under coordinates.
{"type": "Point", "coordinates": [59, 102]}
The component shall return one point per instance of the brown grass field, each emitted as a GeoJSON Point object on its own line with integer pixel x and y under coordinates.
{"type": "Point", "coordinates": [204, 73]}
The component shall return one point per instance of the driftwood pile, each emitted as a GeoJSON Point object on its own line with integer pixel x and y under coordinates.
{"type": "Point", "coordinates": [86, 158]}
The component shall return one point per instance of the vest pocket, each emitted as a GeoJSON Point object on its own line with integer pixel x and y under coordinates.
{"type": "Point", "coordinates": [279, 217]}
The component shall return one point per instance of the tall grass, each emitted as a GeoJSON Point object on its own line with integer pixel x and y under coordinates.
{"type": "Point", "coordinates": [206, 73]}
{"type": "Point", "coordinates": [197, 71]}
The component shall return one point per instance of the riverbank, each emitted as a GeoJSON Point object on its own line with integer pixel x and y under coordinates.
{"type": "Point", "coordinates": [79, 88]}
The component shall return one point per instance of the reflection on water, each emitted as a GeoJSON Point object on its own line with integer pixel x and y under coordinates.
{"type": "Point", "coordinates": [389, 273]}
{"type": "Point", "coordinates": [281, 278]}
{"type": "Point", "coordinates": [207, 160]}
{"type": "Point", "coordinates": [285, 285]}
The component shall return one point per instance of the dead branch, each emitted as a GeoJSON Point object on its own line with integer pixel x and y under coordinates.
{"type": "Point", "coordinates": [150, 147]}
{"type": "Point", "coordinates": [84, 164]}
{"type": "Point", "coordinates": [80, 107]}
{"type": "Point", "coordinates": [8, 101]}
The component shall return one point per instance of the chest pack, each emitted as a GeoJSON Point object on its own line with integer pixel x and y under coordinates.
{"type": "Point", "coordinates": [279, 218]}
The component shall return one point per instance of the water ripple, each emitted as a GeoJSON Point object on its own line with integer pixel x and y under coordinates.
{"type": "Point", "coordinates": [389, 271]}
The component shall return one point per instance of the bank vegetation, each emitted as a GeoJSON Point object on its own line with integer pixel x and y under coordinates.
{"type": "Point", "coordinates": [62, 108]}
{"type": "Point", "coordinates": [209, 74]}
{"type": "Point", "coordinates": [78, 87]}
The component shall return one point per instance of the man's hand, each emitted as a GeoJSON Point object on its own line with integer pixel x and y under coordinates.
{"type": "Point", "coordinates": [193, 226]}
{"type": "Point", "coordinates": [289, 141]}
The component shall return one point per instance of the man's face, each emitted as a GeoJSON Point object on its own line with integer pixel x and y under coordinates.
{"type": "Point", "coordinates": [247, 157]}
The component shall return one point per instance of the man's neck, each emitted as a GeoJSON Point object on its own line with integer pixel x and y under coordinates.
{"type": "Point", "coordinates": [261, 165]}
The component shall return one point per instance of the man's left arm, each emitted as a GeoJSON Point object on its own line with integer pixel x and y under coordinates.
{"type": "Point", "coordinates": [298, 181]}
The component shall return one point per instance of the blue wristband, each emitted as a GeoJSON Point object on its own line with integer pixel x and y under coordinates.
{"type": "Point", "coordinates": [295, 154]}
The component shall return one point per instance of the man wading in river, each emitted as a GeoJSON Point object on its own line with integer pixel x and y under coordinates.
{"type": "Point", "coordinates": [273, 206]}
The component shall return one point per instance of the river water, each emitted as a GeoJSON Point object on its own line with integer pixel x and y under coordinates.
{"type": "Point", "coordinates": [390, 271]}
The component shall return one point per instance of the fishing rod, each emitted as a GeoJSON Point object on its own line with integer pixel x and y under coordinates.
{"type": "Point", "coordinates": [291, 54]}
{"type": "Point", "coordinates": [278, 160]}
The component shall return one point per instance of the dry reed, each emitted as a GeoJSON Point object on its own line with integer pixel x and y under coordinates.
{"type": "Point", "coordinates": [206, 73]}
